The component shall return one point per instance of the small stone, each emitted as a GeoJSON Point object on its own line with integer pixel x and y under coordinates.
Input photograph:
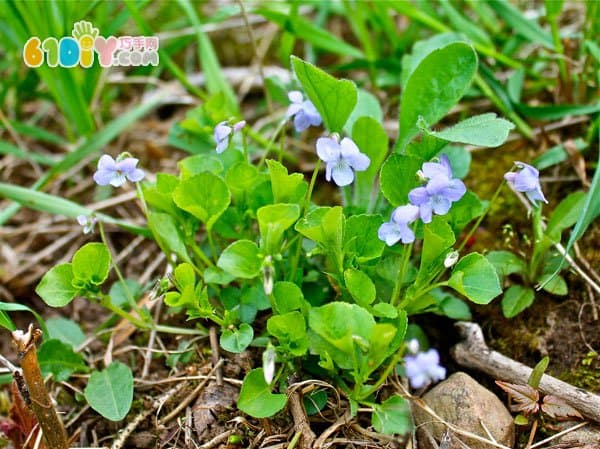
{"type": "Point", "coordinates": [463, 402]}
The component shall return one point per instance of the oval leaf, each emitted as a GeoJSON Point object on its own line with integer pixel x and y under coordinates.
{"type": "Point", "coordinates": [256, 398]}
{"type": "Point", "coordinates": [476, 278]}
{"type": "Point", "coordinates": [56, 288]}
{"type": "Point", "coordinates": [241, 259]}
{"type": "Point", "coordinates": [205, 196]}
{"type": "Point", "coordinates": [334, 99]}
{"type": "Point", "coordinates": [438, 82]}
{"type": "Point", "coordinates": [91, 263]}
{"type": "Point", "coordinates": [110, 392]}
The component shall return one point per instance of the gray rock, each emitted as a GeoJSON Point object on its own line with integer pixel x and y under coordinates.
{"type": "Point", "coordinates": [461, 401]}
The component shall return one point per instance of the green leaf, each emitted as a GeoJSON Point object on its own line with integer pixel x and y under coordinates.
{"type": "Point", "coordinates": [410, 61]}
{"type": "Point", "coordinates": [308, 31]}
{"type": "Point", "coordinates": [121, 293]}
{"type": "Point", "coordinates": [536, 374]}
{"type": "Point", "coordinates": [565, 215]}
{"type": "Point", "coordinates": [460, 160]}
{"type": "Point", "coordinates": [392, 416]}
{"type": "Point", "coordinates": [506, 263]}
{"type": "Point", "coordinates": [56, 287]}
{"type": "Point", "coordinates": [334, 99]}
{"type": "Point", "coordinates": [273, 221]}
{"type": "Point", "coordinates": [290, 330]}
{"type": "Point", "coordinates": [437, 84]}
{"type": "Point", "coordinates": [368, 134]}
{"type": "Point", "coordinates": [256, 398]}
{"type": "Point", "coordinates": [367, 107]}
{"type": "Point", "coordinates": [360, 286]}
{"type": "Point", "coordinates": [476, 278]}
{"type": "Point", "coordinates": [288, 297]}
{"type": "Point", "coordinates": [519, 24]}
{"type": "Point", "coordinates": [468, 27]}
{"type": "Point", "coordinates": [286, 188]}
{"type": "Point", "coordinates": [91, 263]}
{"type": "Point", "coordinates": [167, 234]}
{"type": "Point", "coordinates": [399, 167]}
{"type": "Point", "coordinates": [13, 307]}
{"type": "Point", "coordinates": [554, 284]}
{"type": "Point", "coordinates": [204, 195]}
{"type": "Point", "coordinates": [110, 392]}
{"type": "Point", "coordinates": [193, 165]}
{"type": "Point", "coordinates": [360, 237]}
{"type": "Point", "coordinates": [241, 177]}
{"type": "Point", "coordinates": [325, 225]}
{"type": "Point", "coordinates": [556, 112]}
{"type": "Point", "coordinates": [451, 306]}
{"type": "Point", "coordinates": [242, 259]}
{"type": "Point", "coordinates": [485, 130]}
{"type": "Point", "coordinates": [59, 359]}
{"type": "Point", "coordinates": [236, 340]}
{"type": "Point", "coordinates": [438, 238]}
{"type": "Point", "coordinates": [516, 299]}
{"type": "Point", "coordinates": [67, 331]}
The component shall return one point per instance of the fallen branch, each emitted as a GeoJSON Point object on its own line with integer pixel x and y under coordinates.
{"type": "Point", "coordinates": [36, 394]}
{"type": "Point", "coordinates": [473, 352]}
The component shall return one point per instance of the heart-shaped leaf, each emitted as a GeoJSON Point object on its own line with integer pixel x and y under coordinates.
{"type": "Point", "coordinates": [110, 392]}
{"type": "Point", "coordinates": [334, 99]}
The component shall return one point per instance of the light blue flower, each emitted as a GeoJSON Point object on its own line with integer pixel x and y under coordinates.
{"type": "Point", "coordinates": [224, 132]}
{"type": "Point", "coordinates": [424, 368]}
{"type": "Point", "coordinates": [341, 159]}
{"type": "Point", "coordinates": [527, 180]}
{"type": "Point", "coordinates": [117, 172]}
{"type": "Point", "coordinates": [304, 112]}
{"type": "Point", "coordinates": [397, 228]}
{"type": "Point", "coordinates": [440, 191]}
{"type": "Point", "coordinates": [87, 222]}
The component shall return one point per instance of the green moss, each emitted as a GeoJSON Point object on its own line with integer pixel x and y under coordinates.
{"type": "Point", "coordinates": [586, 374]}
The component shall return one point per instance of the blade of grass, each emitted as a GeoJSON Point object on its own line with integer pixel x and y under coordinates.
{"type": "Point", "coordinates": [520, 25]}
{"type": "Point", "coordinates": [91, 145]}
{"type": "Point", "coordinates": [556, 112]}
{"type": "Point", "coordinates": [165, 58]}
{"type": "Point", "coordinates": [307, 31]}
{"type": "Point", "coordinates": [7, 148]}
{"type": "Point", "coordinates": [215, 81]}
{"type": "Point", "coordinates": [38, 133]}
{"type": "Point", "coordinates": [52, 204]}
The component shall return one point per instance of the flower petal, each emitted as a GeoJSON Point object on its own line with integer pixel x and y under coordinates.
{"type": "Point", "coordinates": [222, 131]}
{"type": "Point", "coordinates": [328, 149]}
{"type": "Point", "coordinates": [301, 121]}
{"type": "Point", "coordinates": [440, 204]}
{"type": "Point", "coordinates": [405, 214]}
{"type": "Point", "coordinates": [106, 163]}
{"type": "Point", "coordinates": [136, 175]}
{"type": "Point", "coordinates": [295, 96]}
{"type": "Point", "coordinates": [389, 233]}
{"type": "Point", "coordinates": [433, 169]}
{"type": "Point", "coordinates": [455, 190]}
{"type": "Point", "coordinates": [426, 212]}
{"type": "Point", "coordinates": [418, 196]}
{"type": "Point", "coordinates": [104, 177]}
{"type": "Point", "coordinates": [293, 109]}
{"type": "Point", "coordinates": [342, 173]}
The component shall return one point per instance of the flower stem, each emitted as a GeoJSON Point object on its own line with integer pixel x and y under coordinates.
{"type": "Point", "coordinates": [311, 186]}
{"type": "Point", "coordinates": [397, 357]}
{"type": "Point", "coordinates": [406, 252]}
{"type": "Point", "coordinates": [279, 128]}
{"type": "Point", "coordinates": [128, 294]}
{"type": "Point", "coordinates": [481, 217]}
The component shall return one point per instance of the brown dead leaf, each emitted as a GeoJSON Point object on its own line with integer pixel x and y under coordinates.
{"type": "Point", "coordinates": [557, 408]}
{"type": "Point", "coordinates": [525, 396]}
{"type": "Point", "coordinates": [212, 403]}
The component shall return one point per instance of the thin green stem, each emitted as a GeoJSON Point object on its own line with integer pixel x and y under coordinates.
{"type": "Point", "coordinates": [311, 186]}
{"type": "Point", "coordinates": [107, 303]}
{"type": "Point", "coordinates": [397, 357]}
{"type": "Point", "coordinates": [407, 251]}
{"type": "Point", "coordinates": [211, 243]}
{"type": "Point", "coordinates": [200, 254]}
{"type": "Point", "coordinates": [421, 292]}
{"type": "Point", "coordinates": [128, 294]}
{"type": "Point", "coordinates": [481, 217]}
{"type": "Point", "coordinates": [280, 127]}
{"type": "Point", "coordinates": [179, 330]}
{"type": "Point", "coordinates": [488, 92]}
{"type": "Point", "coordinates": [142, 198]}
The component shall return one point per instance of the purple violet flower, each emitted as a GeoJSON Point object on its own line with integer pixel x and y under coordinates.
{"type": "Point", "coordinates": [88, 222]}
{"type": "Point", "coordinates": [397, 228]}
{"type": "Point", "coordinates": [224, 132]}
{"type": "Point", "coordinates": [440, 191]}
{"type": "Point", "coordinates": [116, 172]}
{"type": "Point", "coordinates": [304, 112]}
{"type": "Point", "coordinates": [527, 180]}
{"type": "Point", "coordinates": [341, 159]}
{"type": "Point", "coordinates": [423, 368]}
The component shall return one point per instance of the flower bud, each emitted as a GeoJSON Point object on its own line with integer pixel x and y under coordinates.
{"type": "Point", "coordinates": [451, 259]}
